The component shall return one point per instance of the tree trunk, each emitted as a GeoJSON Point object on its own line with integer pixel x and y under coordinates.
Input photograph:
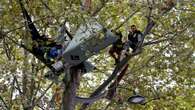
{"type": "Point", "coordinates": [70, 87]}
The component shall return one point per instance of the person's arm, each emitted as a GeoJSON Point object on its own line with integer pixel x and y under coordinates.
{"type": "Point", "coordinates": [140, 39]}
{"type": "Point", "coordinates": [129, 35]}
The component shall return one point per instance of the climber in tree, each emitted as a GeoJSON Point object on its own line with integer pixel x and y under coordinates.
{"type": "Point", "coordinates": [117, 47]}
{"type": "Point", "coordinates": [135, 38]}
{"type": "Point", "coordinates": [42, 44]}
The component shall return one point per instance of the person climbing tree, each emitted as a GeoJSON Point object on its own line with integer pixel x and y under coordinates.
{"type": "Point", "coordinates": [116, 49]}
{"type": "Point", "coordinates": [42, 44]}
{"type": "Point", "coordinates": [135, 38]}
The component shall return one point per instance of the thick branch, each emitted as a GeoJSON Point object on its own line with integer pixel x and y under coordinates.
{"type": "Point", "coordinates": [70, 87]}
{"type": "Point", "coordinates": [112, 76]}
{"type": "Point", "coordinates": [113, 86]}
{"type": "Point", "coordinates": [29, 50]}
{"type": "Point", "coordinates": [91, 99]}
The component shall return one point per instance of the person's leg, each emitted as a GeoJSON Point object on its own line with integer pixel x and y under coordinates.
{"type": "Point", "coordinates": [35, 34]}
{"type": "Point", "coordinates": [119, 53]}
{"type": "Point", "coordinates": [132, 46]}
{"type": "Point", "coordinates": [111, 52]}
{"type": "Point", "coordinates": [111, 92]}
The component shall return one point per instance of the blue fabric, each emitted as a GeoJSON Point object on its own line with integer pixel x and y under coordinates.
{"type": "Point", "coordinates": [54, 52]}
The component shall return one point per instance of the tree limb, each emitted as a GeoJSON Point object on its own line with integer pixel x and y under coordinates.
{"type": "Point", "coordinates": [43, 94]}
{"type": "Point", "coordinates": [65, 28]}
{"type": "Point", "coordinates": [99, 8]}
{"type": "Point", "coordinates": [107, 106]}
{"type": "Point", "coordinates": [150, 24]}
{"type": "Point", "coordinates": [46, 6]}
{"type": "Point", "coordinates": [167, 39]}
{"type": "Point", "coordinates": [29, 50]}
{"type": "Point", "coordinates": [17, 84]}
{"type": "Point", "coordinates": [91, 99]}
{"type": "Point", "coordinates": [113, 86]}
{"type": "Point", "coordinates": [112, 76]}
{"type": "Point", "coordinates": [127, 19]}
{"type": "Point", "coordinates": [7, 49]}
{"type": "Point", "coordinates": [67, 32]}
{"type": "Point", "coordinates": [188, 10]}
{"type": "Point", "coordinates": [20, 27]}
{"type": "Point", "coordinates": [156, 41]}
{"type": "Point", "coordinates": [4, 103]}
{"type": "Point", "coordinates": [70, 87]}
{"type": "Point", "coordinates": [40, 107]}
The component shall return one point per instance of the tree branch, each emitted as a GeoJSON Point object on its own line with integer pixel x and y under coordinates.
{"type": "Point", "coordinates": [46, 6]}
{"type": "Point", "coordinates": [156, 41]}
{"type": "Point", "coordinates": [99, 8]}
{"type": "Point", "coordinates": [43, 94]}
{"type": "Point", "coordinates": [107, 106]}
{"type": "Point", "coordinates": [113, 86]}
{"type": "Point", "coordinates": [67, 32]}
{"type": "Point", "coordinates": [4, 103]}
{"type": "Point", "coordinates": [6, 49]}
{"type": "Point", "coordinates": [65, 28]}
{"type": "Point", "coordinates": [150, 24]}
{"type": "Point", "coordinates": [112, 76]}
{"type": "Point", "coordinates": [127, 19]}
{"type": "Point", "coordinates": [91, 99]}
{"type": "Point", "coordinates": [189, 10]}
{"type": "Point", "coordinates": [70, 87]}
{"type": "Point", "coordinates": [40, 107]}
{"type": "Point", "coordinates": [29, 50]}
{"type": "Point", "coordinates": [17, 84]}
{"type": "Point", "coordinates": [24, 25]}
{"type": "Point", "coordinates": [167, 39]}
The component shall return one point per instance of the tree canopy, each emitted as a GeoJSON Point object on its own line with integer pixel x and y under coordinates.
{"type": "Point", "coordinates": [164, 72]}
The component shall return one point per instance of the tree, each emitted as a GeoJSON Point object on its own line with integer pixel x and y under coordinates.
{"type": "Point", "coordinates": [163, 69]}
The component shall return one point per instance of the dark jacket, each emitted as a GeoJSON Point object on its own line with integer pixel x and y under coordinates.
{"type": "Point", "coordinates": [135, 37]}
